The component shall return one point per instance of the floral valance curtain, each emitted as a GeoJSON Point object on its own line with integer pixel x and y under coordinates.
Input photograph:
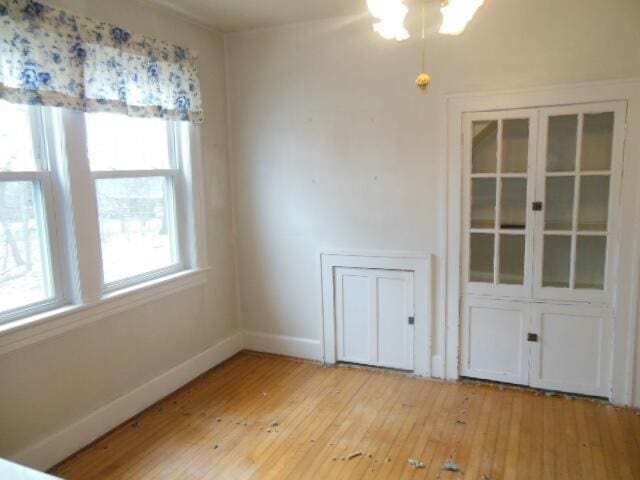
{"type": "Point", "coordinates": [50, 57]}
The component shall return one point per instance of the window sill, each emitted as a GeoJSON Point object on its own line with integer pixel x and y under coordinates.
{"type": "Point", "coordinates": [26, 331]}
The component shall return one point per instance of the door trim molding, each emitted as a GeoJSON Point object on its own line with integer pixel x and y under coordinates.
{"type": "Point", "coordinates": [419, 263]}
{"type": "Point", "coordinates": [627, 273]}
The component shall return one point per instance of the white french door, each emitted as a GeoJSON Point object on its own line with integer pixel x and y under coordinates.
{"type": "Point", "coordinates": [578, 185]}
{"type": "Point", "coordinates": [540, 220]}
{"type": "Point", "coordinates": [500, 172]}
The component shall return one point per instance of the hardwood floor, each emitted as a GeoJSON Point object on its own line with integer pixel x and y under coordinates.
{"type": "Point", "coordinates": [259, 416]}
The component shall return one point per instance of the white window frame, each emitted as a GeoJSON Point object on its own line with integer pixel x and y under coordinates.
{"type": "Point", "coordinates": [173, 174]}
{"type": "Point", "coordinates": [69, 191]}
{"type": "Point", "coordinates": [41, 179]}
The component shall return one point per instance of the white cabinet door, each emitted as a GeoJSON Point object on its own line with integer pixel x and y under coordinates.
{"type": "Point", "coordinates": [373, 311]}
{"type": "Point", "coordinates": [573, 351]}
{"type": "Point", "coordinates": [579, 167]}
{"type": "Point", "coordinates": [499, 171]}
{"type": "Point", "coordinates": [355, 334]}
{"type": "Point", "coordinates": [494, 340]}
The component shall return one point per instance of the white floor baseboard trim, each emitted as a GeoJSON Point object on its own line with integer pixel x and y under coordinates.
{"type": "Point", "coordinates": [60, 445]}
{"type": "Point", "coordinates": [283, 345]}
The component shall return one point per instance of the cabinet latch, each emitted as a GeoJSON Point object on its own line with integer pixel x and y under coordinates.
{"type": "Point", "coordinates": [532, 337]}
{"type": "Point", "coordinates": [536, 206]}
{"type": "Point", "coordinates": [412, 320]}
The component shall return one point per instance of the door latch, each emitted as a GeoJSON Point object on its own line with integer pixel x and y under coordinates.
{"type": "Point", "coordinates": [536, 206]}
{"type": "Point", "coordinates": [412, 320]}
{"type": "Point", "coordinates": [532, 337]}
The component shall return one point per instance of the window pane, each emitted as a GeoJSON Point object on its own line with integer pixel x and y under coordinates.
{"type": "Point", "coordinates": [559, 203]}
{"type": "Point", "coordinates": [485, 147]}
{"type": "Point", "coordinates": [24, 260]}
{"type": "Point", "coordinates": [119, 142]}
{"type": "Point", "coordinates": [557, 261]}
{"type": "Point", "coordinates": [16, 147]}
{"type": "Point", "coordinates": [482, 248]}
{"type": "Point", "coordinates": [137, 226]}
{"type": "Point", "coordinates": [593, 211]}
{"type": "Point", "coordinates": [562, 138]}
{"type": "Point", "coordinates": [512, 259]}
{"type": "Point", "coordinates": [483, 202]}
{"type": "Point", "coordinates": [591, 254]}
{"type": "Point", "coordinates": [597, 141]}
{"type": "Point", "coordinates": [513, 207]}
{"type": "Point", "coordinates": [515, 146]}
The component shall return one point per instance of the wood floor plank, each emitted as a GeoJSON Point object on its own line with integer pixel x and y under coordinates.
{"type": "Point", "coordinates": [326, 413]}
{"type": "Point", "coordinates": [170, 441]}
{"type": "Point", "coordinates": [313, 421]}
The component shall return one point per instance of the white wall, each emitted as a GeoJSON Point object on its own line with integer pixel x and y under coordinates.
{"type": "Point", "coordinates": [47, 386]}
{"type": "Point", "coordinates": [333, 145]}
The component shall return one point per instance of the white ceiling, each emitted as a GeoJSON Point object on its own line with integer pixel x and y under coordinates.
{"type": "Point", "coordinates": [235, 15]}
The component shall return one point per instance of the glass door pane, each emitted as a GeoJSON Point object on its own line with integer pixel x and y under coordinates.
{"type": "Point", "coordinates": [561, 147]}
{"type": "Point", "coordinates": [556, 265]}
{"type": "Point", "coordinates": [513, 205]}
{"type": "Point", "coordinates": [597, 141]}
{"type": "Point", "coordinates": [484, 156]}
{"type": "Point", "coordinates": [593, 211]}
{"type": "Point", "coordinates": [515, 146]}
{"type": "Point", "coordinates": [591, 254]}
{"type": "Point", "coordinates": [512, 259]}
{"type": "Point", "coordinates": [483, 202]}
{"type": "Point", "coordinates": [481, 264]}
{"type": "Point", "coordinates": [558, 211]}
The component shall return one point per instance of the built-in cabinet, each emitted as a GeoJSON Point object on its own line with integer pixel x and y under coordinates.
{"type": "Point", "coordinates": [541, 197]}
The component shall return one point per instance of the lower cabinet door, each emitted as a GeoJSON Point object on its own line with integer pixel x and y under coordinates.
{"type": "Point", "coordinates": [573, 349]}
{"type": "Point", "coordinates": [494, 340]}
{"type": "Point", "coordinates": [374, 312]}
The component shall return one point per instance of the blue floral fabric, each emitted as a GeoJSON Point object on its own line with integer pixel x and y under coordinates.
{"type": "Point", "coordinates": [50, 57]}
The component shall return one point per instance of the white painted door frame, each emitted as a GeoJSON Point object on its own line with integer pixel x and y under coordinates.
{"type": "Point", "coordinates": [625, 305]}
{"type": "Point", "coordinates": [417, 262]}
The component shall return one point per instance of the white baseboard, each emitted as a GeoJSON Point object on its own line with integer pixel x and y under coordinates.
{"type": "Point", "coordinates": [282, 345]}
{"type": "Point", "coordinates": [60, 445]}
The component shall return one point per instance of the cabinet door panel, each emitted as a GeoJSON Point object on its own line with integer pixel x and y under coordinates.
{"type": "Point", "coordinates": [372, 311]}
{"type": "Point", "coordinates": [353, 316]}
{"type": "Point", "coordinates": [493, 340]}
{"type": "Point", "coordinates": [572, 353]}
{"type": "Point", "coordinates": [395, 335]}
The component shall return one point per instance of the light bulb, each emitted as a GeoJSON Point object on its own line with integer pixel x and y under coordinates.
{"type": "Point", "coordinates": [391, 14]}
{"type": "Point", "coordinates": [456, 14]}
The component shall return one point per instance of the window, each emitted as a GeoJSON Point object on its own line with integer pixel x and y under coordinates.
{"type": "Point", "coordinates": [26, 265]}
{"type": "Point", "coordinates": [134, 167]}
{"type": "Point", "coordinates": [109, 209]}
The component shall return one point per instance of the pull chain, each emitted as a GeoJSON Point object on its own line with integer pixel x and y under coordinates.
{"type": "Point", "coordinates": [424, 78]}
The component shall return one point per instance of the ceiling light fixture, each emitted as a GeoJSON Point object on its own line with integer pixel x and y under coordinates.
{"type": "Point", "coordinates": [391, 14]}
{"type": "Point", "coordinates": [456, 14]}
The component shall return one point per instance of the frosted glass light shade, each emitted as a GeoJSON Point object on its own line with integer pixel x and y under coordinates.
{"type": "Point", "coordinates": [456, 14]}
{"type": "Point", "coordinates": [391, 14]}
